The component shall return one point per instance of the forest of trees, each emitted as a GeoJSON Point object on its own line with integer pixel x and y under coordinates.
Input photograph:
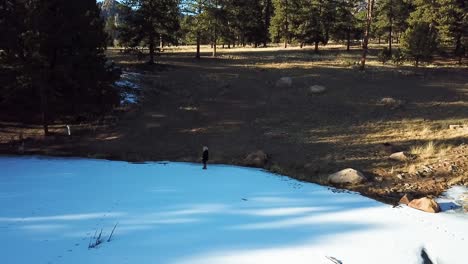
{"type": "Point", "coordinates": [54, 50]}
{"type": "Point", "coordinates": [52, 60]}
{"type": "Point", "coordinates": [421, 26]}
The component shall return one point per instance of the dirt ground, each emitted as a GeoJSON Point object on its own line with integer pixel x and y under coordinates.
{"type": "Point", "coordinates": [233, 105]}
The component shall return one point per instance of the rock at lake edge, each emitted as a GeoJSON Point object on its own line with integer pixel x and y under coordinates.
{"type": "Point", "coordinates": [406, 199]}
{"type": "Point", "coordinates": [256, 159]}
{"type": "Point", "coordinates": [349, 175]}
{"type": "Point", "coordinates": [425, 204]}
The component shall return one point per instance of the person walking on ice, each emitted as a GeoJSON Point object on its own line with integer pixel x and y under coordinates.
{"type": "Point", "coordinates": [205, 156]}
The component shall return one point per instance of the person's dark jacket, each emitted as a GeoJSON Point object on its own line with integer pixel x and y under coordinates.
{"type": "Point", "coordinates": [205, 156]}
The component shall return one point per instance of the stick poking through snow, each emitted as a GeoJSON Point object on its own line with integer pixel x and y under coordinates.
{"type": "Point", "coordinates": [108, 240]}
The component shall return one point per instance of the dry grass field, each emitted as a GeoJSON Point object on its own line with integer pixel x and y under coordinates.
{"type": "Point", "coordinates": [234, 105]}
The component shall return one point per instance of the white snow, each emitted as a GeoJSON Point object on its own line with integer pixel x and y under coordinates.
{"type": "Point", "coordinates": [450, 199]}
{"type": "Point", "coordinates": [177, 213]}
{"type": "Point", "coordinates": [129, 87]}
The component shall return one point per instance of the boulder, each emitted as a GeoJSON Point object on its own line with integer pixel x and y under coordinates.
{"type": "Point", "coordinates": [284, 82]}
{"type": "Point", "coordinates": [256, 159]}
{"type": "Point", "coordinates": [391, 102]}
{"type": "Point", "coordinates": [351, 176]}
{"type": "Point", "coordinates": [425, 204]}
{"type": "Point", "coordinates": [399, 156]}
{"type": "Point", "coordinates": [406, 199]}
{"type": "Point", "coordinates": [317, 89]}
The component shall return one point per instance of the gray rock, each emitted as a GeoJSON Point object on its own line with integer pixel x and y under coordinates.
{"type": "Point", "coordinates": [256, 159]}
{"type": "Point", "coordinates": [317, 89]}
{"type": "Point", "coordinates": [351, 176]}
{"type": "Point", "coordinates": [391, 102]}
{"type": "Point", "coordinates": [400, 156]}
{"type": "Point", "coordinates": [284, 82]}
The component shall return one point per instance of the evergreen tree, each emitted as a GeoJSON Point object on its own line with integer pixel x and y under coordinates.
{"type": "Point", "coordinates": [420, 41]}
{"type": "Point", "coordinates": [319, 21]}
{"type": "Point", "coordinates": [347, 25]}
{"type": "Point", "coordinates": [280, 23]}
{"type": "Point", "coordinates": [196, 19]}
{"type": "Point", "coordinates": [59, 59]}
{"type": "Point", "coordinates": [146, 21]}
{"type": "Point", "coordinates": [267, 13]}
{"type": "Point", "coordinates": [391, 17]}
{"type": "Point", "coordinates": [247, 21]}
{"type": "Point", "coordinates": [453, 25]}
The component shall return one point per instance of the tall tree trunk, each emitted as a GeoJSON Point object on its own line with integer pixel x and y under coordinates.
{"type": "Point", "coordinates": [316, 46]}
{"type": "Point", "coordinates": [215, 36]}
{"type": "Point", "coordinates": [198, 45]}
{"type": "Point", "coordinates": [267, 21]}
{"type": "Point", "coordinates": [390, 31]}
{"type": "Point", "coordinates": [44, 93]}
{"type": "Point", "coordinates": [348, 39]}
{"type": "Point", "coordinates": [214, 44]}
{"type": "Point", "coordinates": [151, 49]}
{"type": "Point", "coordinates": [44, 109]}
{"type": "Point", "coordinates": [370, 7]}
{"type": "Point", "coordinates": [161, 42]}
{"type": "Point", "coordinates": [286, 26]}
{"type": "Point", "coordinates": [459, 48]}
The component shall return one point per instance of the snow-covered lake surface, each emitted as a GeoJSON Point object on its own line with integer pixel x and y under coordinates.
{"type": "Point", "coordinates": [178, 213]}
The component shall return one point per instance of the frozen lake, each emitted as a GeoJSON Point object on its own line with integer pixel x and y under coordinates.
{"type": "Point", "coordinates": [177, 213]}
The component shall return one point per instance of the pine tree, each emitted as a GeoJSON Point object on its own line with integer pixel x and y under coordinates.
{"type": "Point", "coordinates": [60, 59]}
{"type": "Point", "coordinates": [420, 41]}
{"type": "Point", "coordinates": [247, 21]}
{"type": "Point", "coordinates": [453, 25]}
{"type": "Point", "coordinates": [347, 23]}
{"type": "Point", "coordinates": [319, 22]}
{"type": "Point", "coordinates": [391, 17]}
{"type": "Point", "coordinates": [195, 19]}
{"type": "Point", "coordinates": [267, 12]}
{"type": "Point", "coordinates": [280, 23]}
{"type": "Point", "coordinates": [145, 21]}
